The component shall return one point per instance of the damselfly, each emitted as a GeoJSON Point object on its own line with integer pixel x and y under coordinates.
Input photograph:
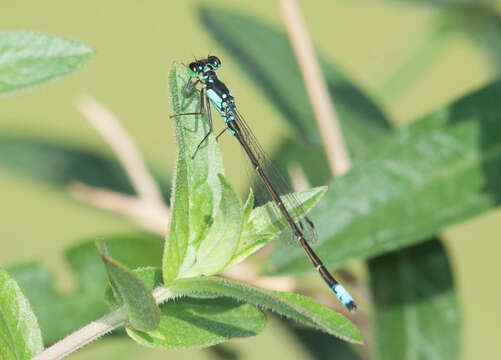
{"type": "Point", "coordinates": [214, 91]}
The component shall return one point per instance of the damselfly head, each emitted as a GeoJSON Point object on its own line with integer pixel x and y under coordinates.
{"type": "Point", "coordinates": [193, 69]}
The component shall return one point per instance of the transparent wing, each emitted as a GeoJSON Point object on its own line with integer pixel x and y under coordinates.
{"type": "Point", "coordinates": [281, 186]}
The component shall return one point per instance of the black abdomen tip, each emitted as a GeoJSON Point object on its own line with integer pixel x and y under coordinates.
{"type": "Point", "coordinates": [351, 306]}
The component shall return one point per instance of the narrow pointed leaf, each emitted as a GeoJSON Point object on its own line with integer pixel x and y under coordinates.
{"type": "Point", "coordinates": [278, 76]}
{"type": "Point", "coordinates": [20, 336]}
{"type": "Point", "coordinates": [132, 251]}
{"type": "Point", "coordinates": [261, 228]}
{"type": "Point", "coordinates": [416, 313]}
{"type": "Point", "coordinates": [131, 293]}
{"type": "Point", "coordinates": [293, 306]}
{"type": "Point", "coordinates": [29, 58]}
{"type": "Point", "coordinates": [440, 170]}
{"type": "Point", "coordinates": [197, 190]}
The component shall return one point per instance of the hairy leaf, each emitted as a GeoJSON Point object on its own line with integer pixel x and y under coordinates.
{"type": "Point", "coordinates": [189, 322]}
{"type": "Point", "coordinates": [130, 292]}
{"type": "Point", "coordinates": [20, 336]}
{"type": "Point", "coordinates": [293, 306]}
{"type": "Point", "coordinates": [197, 190]}
{"type": "Point", "coordinates": [442, 169]}
{"type": "Point", "coordinates": [28, 58]}
{"type": "Point", "coordinates": [261, 228]}
{"type": "Point", "coordinates": [220, 244]}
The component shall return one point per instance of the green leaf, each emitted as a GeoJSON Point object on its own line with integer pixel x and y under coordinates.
{"type": "Point", "coordinates": [60, 165]}
{"type": "Point", "coordinates": [278, 77]}
{"type": "Point", "coordinates": [293, 306]}
{"type": "Point", "coordinates": [132, 251]}
{"type": "Point", "coordinates": [248, 206]}
{"type": "Point", "coordinates": [73, 310]}
{"type": "Point", "coordinates": [440, 170]}
{"type": "Point", "coordinates": [130, 292]}
{"type": "Point", "coordinates": [197, 187]}
{"type": "Point", "coordinates": [187, 322]}
{"type": "Point", "coordinates": [261, 228]}
{"type": "Point", "coordinates": [219, 246]}
{"type": "Point", "coordinates": [86, 302]}
{"type": "Point", "coordinates": [20, 336]}
{"type": "Point", "coordinates": [29, 58]}
{"type": "Point", "coordinates": [204, 236]}
{"type": "Point", "coordinates": [416, 313]}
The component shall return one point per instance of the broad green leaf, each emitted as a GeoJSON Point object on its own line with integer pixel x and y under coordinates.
{"type": "Point", "coordinates": [28, 58]}
{"type": "Point", "coordinates": [416, 312]}
{"type": "Point", "coordinates": [193, 323]}
{"type": "Point", "coordinates": [188, 322]}
{"type": "Point", "coordinates": [278, 76]}
{"type": "Point", "coordinates": [197, 190]}
{"type": "Point", "coordinates": [130, 292]}
{"type": "Point", "coordinates": [219, 246]}
{"type": "Point", "coordinates": [61, 165]}
{"type": "Point", "coordinates": [20, 336]}
{"type": "Point", "coordinates": [293, 306]}
{"type": "Point", "coordinates": [204, 236]}
{"type": "Point", "coordinates": [442, 169]}
{"type": "Point", "coordinates": [86, 302]}
{"type": "Point", "coordinates": [261, 228]}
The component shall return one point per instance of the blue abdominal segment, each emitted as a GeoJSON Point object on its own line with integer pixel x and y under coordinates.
{"type": "Point", "coordinates": [344, 296]}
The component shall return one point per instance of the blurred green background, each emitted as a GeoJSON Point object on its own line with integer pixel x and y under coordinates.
{"type": "Point", "coordinates": [135, 44]}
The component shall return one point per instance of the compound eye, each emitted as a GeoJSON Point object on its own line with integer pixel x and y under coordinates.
{"type": "Point", "coordinates": [193, 69]}
{"type": "Point", "coordinates": [214, 61]}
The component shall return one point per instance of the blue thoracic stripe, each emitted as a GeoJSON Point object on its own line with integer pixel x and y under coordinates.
{"type": "Point", "coordinates": [342, 294]}
{"type": "Point", "coordinates": [215, 98]}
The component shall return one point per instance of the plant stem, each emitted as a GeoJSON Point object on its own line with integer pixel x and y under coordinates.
{"type": "Point", "coordinates": [94, 330]}
{"type": "Point", "coordinates": [83, 336]}
{"type": "Point", "coordinates": [119, 140]}
{"type": "Point", "coordinates": [325, 115]}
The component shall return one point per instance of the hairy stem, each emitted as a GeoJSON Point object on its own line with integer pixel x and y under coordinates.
{"type": "Point", "coordinates": [83, 336]}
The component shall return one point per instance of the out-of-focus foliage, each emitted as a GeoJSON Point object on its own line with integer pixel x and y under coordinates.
{"type": "Point", "coordinates": [28, 58]}
{"type": "Point", "coordinates": [416, 311]}
{"type": "Point", "coordinates": [86, 302]}
{"type": "Point", "coordinates": [278, 76]}
{"type": "Point", "coordinates": [441, 169]}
